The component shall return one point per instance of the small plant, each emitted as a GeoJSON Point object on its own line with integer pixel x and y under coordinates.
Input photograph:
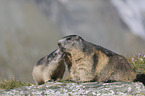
{"type": "Point", "coordinates": [12, 83]}
{"type": "Point", "coordinates": [138, 63]}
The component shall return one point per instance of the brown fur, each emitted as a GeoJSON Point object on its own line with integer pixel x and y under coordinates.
{"type": "Point", "coordinates": [49, 68]}
{"type": "Point", "coordinates": [91, 62]}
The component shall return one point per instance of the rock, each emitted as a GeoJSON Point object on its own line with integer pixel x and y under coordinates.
{"type": "Point", "coordinates": [75, 89]}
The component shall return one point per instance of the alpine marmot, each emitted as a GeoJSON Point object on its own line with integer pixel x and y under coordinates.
{"type": "Point", "coordinates": [91, 62]}
{"type": "Point", "coordinates": [50, 67]}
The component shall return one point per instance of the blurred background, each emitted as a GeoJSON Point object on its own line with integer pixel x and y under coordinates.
{"type": "Point", "coordinates": [29, 29]}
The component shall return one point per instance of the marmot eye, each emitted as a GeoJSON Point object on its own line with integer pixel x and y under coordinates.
{"type": "Point", "coordinates": [68, 39]}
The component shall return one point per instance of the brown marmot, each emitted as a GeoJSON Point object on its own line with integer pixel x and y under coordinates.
{"type": "Point", "coordinates": [91, 62]}
{"type": "Point", "coordinates": [50, 67]}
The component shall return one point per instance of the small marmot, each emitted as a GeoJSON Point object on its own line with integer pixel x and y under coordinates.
{"type": "Point", "coordinates": [50, 67]}
{"type": "Point", "coordinates": [91, 62]}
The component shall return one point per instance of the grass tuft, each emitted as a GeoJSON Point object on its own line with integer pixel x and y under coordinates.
{"type": "Point", "coordinates": [12, 83]}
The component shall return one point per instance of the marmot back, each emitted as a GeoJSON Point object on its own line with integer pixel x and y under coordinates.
{"type": "Point", "coordinates": [50, 67]}
{"type": "Point", "coordinates": [91, 62]}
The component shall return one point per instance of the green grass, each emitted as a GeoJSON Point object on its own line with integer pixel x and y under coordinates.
{"type": "Point", "coordinates": [12, 83]}
{"type": "Point", "coordinates": [138, 63]}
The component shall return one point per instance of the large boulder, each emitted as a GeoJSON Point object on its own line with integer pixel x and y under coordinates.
{"type": "Point", "coordinates": [74, 89]}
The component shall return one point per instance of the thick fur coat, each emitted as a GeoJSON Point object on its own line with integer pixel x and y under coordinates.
{"type": "Point", "coordinates": [91, 62]}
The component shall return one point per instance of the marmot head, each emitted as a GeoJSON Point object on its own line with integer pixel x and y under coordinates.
{"type": "Point", "coordinates": [71, 42]}
{"type": "Point", "coordinates": [57, 55]}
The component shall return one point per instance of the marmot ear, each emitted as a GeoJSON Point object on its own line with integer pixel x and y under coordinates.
{"type": "Point", "coordinates": [77, 38]}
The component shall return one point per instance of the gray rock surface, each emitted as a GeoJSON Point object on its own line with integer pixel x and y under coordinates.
{"type": "Point", "coordinates": [83, 89]}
